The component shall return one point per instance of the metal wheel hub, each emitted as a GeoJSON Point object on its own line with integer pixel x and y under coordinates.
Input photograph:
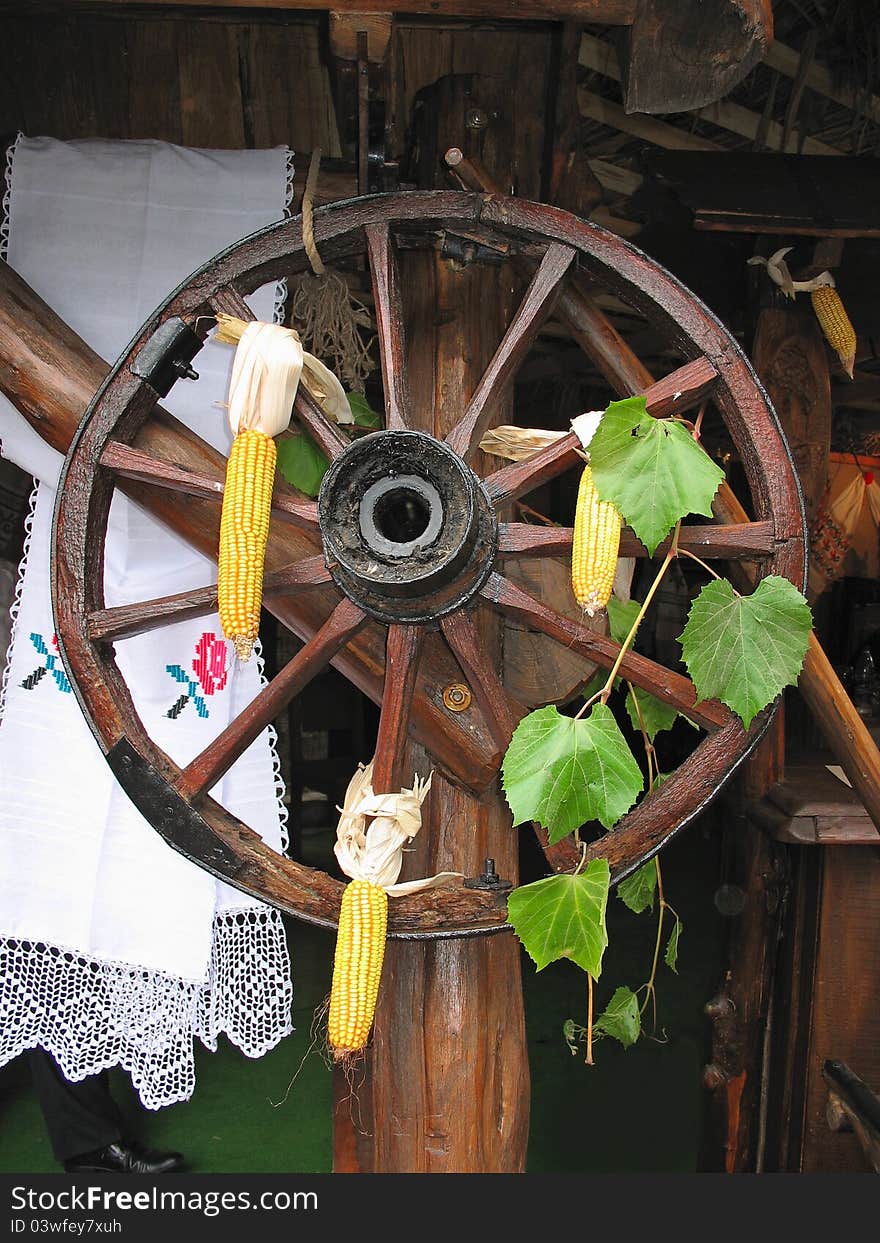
{"type": "Point", "coordinates": [408, 530]}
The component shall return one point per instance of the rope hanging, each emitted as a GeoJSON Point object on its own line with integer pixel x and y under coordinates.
{"type": "Point", "coordinates": [328, 317]}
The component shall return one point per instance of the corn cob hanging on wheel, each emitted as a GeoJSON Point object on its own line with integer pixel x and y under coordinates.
{"type": "Point", "coordinates": [357, 966]}
{"type": "Point", "coordinates": [835, 324]}
{"type": "Point", "coordinates": [244, 532]}
{"type": "Point", "coordinates": [595, 546]}
{"type": "Point", "coordinates": [265, 375]}
{"type": "Point", "coordinates": [372, 855]}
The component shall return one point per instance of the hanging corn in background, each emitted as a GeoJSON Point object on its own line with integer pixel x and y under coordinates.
{"type": "Point", "coordinates": [834, 321]}
{"type": "Point", "coordinates": [595, 545]}
{"type": "Point", "coordinates": [372, 855]}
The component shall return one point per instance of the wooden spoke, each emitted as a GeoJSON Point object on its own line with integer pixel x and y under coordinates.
{"type": "Point", "coordinates": [402, 652]}
{"type": "Point", "coordinates": [501, 713]}
{"type": "Point", "coordinates": [325, 433]}
{"type": "Point", "coordinates": [538, 302]}
{"type": "Point", "coordinates": [678, 391]}
{"type": "Point", "coordinates": [389, 322]}
{"type": "Point", "coordinates": [208, 767]}
{"type": "Point", "coordinates": [134, 464]}
{"type": "Point", "coordinates": [753, 540]}
{"type": "Point", "coordinates": [228, 301]}
{"type": "Point", "coordinates": [671, 688]}
{"type": "Point", "coordinates": [130, 619]}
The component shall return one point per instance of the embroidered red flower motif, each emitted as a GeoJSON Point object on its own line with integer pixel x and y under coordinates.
{"type": "Point", "coordinates": [210, 665]}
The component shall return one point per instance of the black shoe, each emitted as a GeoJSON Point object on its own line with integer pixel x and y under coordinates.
{"type": "Point", "coordinates": [124, 1157]}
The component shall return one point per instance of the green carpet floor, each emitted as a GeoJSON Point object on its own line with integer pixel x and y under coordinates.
{"type": "Point", "coordinates": [640, 1109]}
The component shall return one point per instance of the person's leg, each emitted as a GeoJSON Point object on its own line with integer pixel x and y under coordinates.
{"type": "Point", "coordinates": [80, 1117]}
{"type": "Point", "coordinates": [85, 1126]}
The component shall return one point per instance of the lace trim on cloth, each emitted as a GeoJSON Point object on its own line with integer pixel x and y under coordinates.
{"type": "Point", "coordinates": [7, 196]}
{"type": "Point", "coordinates": [15, 606]}
{"type": "Point", "coordinates": [92, 1015]}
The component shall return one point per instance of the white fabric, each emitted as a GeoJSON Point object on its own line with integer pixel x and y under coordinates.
{"type": "Point", "coordinates": [119, 951]}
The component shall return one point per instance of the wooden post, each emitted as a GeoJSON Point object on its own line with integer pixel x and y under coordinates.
{"type": "Point", "coordinates": [446, 1086]}
{"type": "Point", "coordinates": [790, 358]}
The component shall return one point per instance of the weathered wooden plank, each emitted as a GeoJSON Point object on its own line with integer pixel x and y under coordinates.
{"type": "Point", "coordinates": [759, 193]}
{"type": "Point", "coordinates": [610, 12]}
{"type": "Point", "coordinates": [683, 53]}
{"type": "Point", "coordinates": [154, 106]}
{"type": "Point", "coordinates": [747, 539]}
{"type": "Point", "coordinates": [210, 85]}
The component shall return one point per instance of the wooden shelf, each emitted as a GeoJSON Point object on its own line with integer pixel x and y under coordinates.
{"type": "Point", "coordinates": [812, 807]}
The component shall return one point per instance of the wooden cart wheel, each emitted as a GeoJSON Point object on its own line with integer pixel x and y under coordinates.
{"type": "Point", "coordinates": [368, 585]}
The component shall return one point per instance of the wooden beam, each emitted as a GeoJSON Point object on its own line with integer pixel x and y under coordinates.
{"type": "Point", "coordinates": [601, 56]}
{"type": "Point", "coordinates": [596, 108]}
{"type": "Point", "coordinates": [601, 12]}
{"type": "Point", "coordinates": [754, 192]}
{"type": "Point", "coordinates": [617, 180]}
{"type": "Point", "coordinates": [786, 60]}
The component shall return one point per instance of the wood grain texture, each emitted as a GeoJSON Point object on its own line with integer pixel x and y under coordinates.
{"type": "Point", "coordinates": [125, 620]}
{"type": "Point", "coordinates": [753, 540]}
{"type": "Point", "coordinates": [325, 433]}
{"type": "Point", "coordinates": [536, 306]}
{"type": "Point", "coordinates": [683, 55]}
{"type": "Point", "coordinates": [403, 650]}
{"type": "Point", "coordinates": [673, 689]}
{"type": "Point", "coordinates": [134, 464]}
{"type": "Point", "coordinates": [210, 84]}
{"type": "Point", "coordinates": [676, 392]}
{"type": "Point", "coordinates": [789, 354]}
{"type": "Point", "coordinates": [845, 999]}
{"type": "Point", "coordinates": [610, 12]}
{"type": "Point", "coordinates": [388, 310]}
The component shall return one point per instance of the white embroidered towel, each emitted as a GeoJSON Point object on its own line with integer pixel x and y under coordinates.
{"type": "Point", "coordinates": [116, 949]}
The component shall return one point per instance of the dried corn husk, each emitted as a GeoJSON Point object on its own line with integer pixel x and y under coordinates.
{"type": "Point", "coordinates": [518, 444]}
{"type": "Point", "coordinates": [375, 853]}
{"type": "Point", "coordinates": [269, 340]}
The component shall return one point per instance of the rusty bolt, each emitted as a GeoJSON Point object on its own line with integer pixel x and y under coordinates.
{"type": "Point", "coordinates": [476, 119]}
{"type": "Point", "coordinates": [457, 697]}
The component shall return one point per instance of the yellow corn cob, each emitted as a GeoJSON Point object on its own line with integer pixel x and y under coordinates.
{"type": "Point", "coordinates": [360, 949]}
{"type": "Point", "coordinates": [835, 323]}
{"type": "Point", "coordinates": [244, 529]}
{"type": "Point", "coordinates": [594, 548]}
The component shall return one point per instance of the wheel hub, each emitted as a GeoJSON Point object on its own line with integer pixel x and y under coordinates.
{"type": "Point", "coordinates": [408, 530]}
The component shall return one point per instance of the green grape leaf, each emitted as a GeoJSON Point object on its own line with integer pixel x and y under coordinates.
{"type": "Point", "coordinates": [652, 469]}
{"type": "Point", "coordinates": [621, 617]}
{"type": "Point", "coordinates": [655, 715]}
{"type": "Point", "coordinates": [621, 1018]}
{"type": "Point", "coordinates": [638, 889]}
{"type": "Point", "coordinates": [301, 463]}
{"type": "Point", "coordinates": [363, 413]}
{"type": "Point", "coordinates": [671, 955]}
{"type": "Point", "coordinates": [744, 649]}
{"type": "Point", "coordinates": [564, 917]}
{"type": "Point", "coordinates": [562, 772]}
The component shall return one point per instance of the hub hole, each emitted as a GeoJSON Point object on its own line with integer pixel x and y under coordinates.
{"type": "Point", "coordinates": [401, 515]}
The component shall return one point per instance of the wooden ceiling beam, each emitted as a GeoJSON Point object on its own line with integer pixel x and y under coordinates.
{"type": "Point", "coordinates": [602, 12]}
{"type": "Point", "coordinates": [601, 57]}
{"type": "Point", "coordinates": [787, 61]}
